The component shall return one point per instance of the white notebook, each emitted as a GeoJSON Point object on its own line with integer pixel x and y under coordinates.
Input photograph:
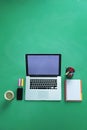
{"type": "Point", "coordinates": [73, 90]}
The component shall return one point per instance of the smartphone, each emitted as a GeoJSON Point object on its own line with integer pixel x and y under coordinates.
{"type": "Point", "coordinates": [19, 93]}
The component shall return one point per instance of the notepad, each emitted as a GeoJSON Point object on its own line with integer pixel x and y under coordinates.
{"type": "Point", "coordinates": [73, 90]}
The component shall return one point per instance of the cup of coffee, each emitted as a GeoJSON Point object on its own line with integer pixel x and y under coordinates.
{"type": "Point", "coordinates": [9, 95]}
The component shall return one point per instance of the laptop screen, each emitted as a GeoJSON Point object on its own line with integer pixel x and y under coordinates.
{"type": "Point", "coordinates": [44, 65]}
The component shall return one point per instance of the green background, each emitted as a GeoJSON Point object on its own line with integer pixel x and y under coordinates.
{"type": "Point", "coordinates": [42, 26]}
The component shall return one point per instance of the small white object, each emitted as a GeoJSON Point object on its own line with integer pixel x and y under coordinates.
{"type": "Point", "coordinates": [9, 95]}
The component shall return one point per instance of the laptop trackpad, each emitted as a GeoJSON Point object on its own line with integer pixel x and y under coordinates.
{"type": "Point", "coordinates": [43, 95]}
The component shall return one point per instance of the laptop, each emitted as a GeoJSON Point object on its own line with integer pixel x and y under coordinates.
{"type": "Point", "coordinates": [43, 77]}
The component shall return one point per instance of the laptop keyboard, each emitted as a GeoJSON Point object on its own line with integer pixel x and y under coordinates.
{"type": "Point", "coordinates": [43, 83]}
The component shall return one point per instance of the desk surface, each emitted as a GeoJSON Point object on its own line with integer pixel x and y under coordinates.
{"type": "Point", "coordinates": [50, 26]}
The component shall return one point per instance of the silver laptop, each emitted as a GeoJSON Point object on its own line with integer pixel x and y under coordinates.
{"type": "Point", "coordinates": [43, 77]}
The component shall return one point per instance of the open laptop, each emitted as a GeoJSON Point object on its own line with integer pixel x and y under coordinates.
{"type": "Point", "coordinates": [43, 77]}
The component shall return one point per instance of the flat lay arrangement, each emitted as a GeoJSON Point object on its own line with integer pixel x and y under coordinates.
{"type": "Point", "coordinates": [43, 80]}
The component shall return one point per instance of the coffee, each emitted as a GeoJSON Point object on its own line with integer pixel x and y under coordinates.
{"type": "Point", "coordinates": [9, 95]}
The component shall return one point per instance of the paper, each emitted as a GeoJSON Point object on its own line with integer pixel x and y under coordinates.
{"type": "Point", "coordinates": [73, 90]}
